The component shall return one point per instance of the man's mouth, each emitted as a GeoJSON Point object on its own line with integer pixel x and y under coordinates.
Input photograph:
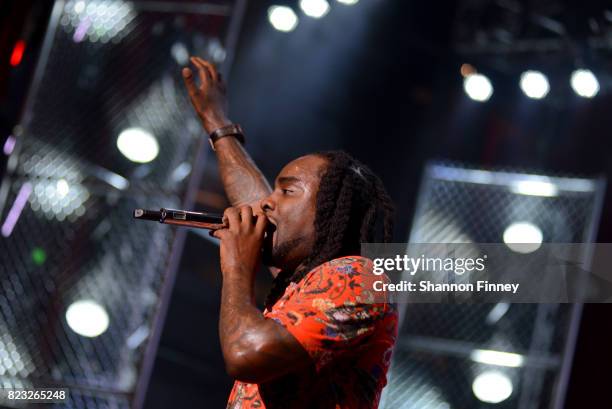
{"type": "Point", "coordinates": [270, 229]}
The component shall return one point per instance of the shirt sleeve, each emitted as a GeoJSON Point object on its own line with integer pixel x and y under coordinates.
{"type": "Point", "coordinates": [333, 309]}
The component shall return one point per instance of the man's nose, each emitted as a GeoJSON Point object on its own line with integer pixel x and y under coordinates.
{"type": "Point", "coordinates": [267, 204]}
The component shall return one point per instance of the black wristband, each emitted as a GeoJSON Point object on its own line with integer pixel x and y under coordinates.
{"type": "Point", "coordinates": [229, 130]}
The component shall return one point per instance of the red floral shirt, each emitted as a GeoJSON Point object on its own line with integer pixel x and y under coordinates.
{"type": "Point", "coordinates": [347, 329]}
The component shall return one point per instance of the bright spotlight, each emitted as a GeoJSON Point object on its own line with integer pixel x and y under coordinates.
{"type": "Point", "coordinates": [523, 237]}
{"type": "Point", "coordinates": [314, 8]}
{"type": "Point", "coordinates": [535, 188]}
{"type": "Point", "coordinates": [584, 83]}
{"type": "Point", "coordinates": [96, 20]}
{"type": "Point", "coordinates": [534, 84]}
{"type": "Point", "coordinates": [490, 357]}
{"type": "Point", "coordinates": [180, 53]}
{"type": "Point", "coordinates": [62, 187]}
{"type": "Point", "coordinates": [348, 2]}
{"type": "Point", "coordinates": [79, 7]}
{"type": "Point", "coordinates": [87, 318]}
{"type": "Point", "coordinates": [478, 87]}
{"type": "Point", "coordinates": [138, 145]}
{"type": "Point", "coordinates": [492, 387]}
{"type": "Point", "coordinates": [282, 18]}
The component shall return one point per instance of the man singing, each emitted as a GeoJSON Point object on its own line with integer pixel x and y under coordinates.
{"type": "Point", "coordinates": [324, 339]}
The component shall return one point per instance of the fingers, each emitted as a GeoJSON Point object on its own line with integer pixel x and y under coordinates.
{"type": "Point", "coordinates": [205, 75]}
{"type": "Point", "coordinates": [246, 215]}
{"type": "Point", "coordinates": [211, 69]}
{"type": "Point", "coordinates": [261, 224]}
{"type": "Point", "coordinates": [219, 233]}
{"type": "Point", "coordinates": [204, 70]}
{"type": "Point", "coordinates": [189, 82]}
{"type": "Point", "coordinates": [242, 219]}
{"type": "Point", "coordinates": [231, 217]}
{"type": "Point", "coordinates": [258, 209]}
{"type": "Point", "coordinates": [260, 206]}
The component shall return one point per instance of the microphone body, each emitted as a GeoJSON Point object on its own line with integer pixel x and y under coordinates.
{"type": "Point", "coordinates": [201, 220]}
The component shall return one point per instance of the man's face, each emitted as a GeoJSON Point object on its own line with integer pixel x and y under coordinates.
{"type": "Point", "coordinates": [291, 208]}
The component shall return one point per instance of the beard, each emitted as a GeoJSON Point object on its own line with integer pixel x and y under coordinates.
{"type": "Point", "coordinates": [279, 255]}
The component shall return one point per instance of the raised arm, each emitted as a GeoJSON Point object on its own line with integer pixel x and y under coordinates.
{"type": "Point", "coordinates": [243, 181]}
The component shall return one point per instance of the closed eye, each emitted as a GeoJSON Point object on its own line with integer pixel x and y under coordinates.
{"type": "Point", "coordinates": [285, 191]}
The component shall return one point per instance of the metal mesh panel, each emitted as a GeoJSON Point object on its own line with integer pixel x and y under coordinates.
{"type": "Point", "coordinates": [436, 358]}
{"type": "Point", "coordinates": [68, 195]}
{"type": "Point", "coordinates": [434, 380]}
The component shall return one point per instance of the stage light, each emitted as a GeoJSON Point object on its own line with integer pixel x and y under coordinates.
{"type": "Point", "coordinates": [14, 357]}
{"type": "Point", "coordinates": [39, 256]}
{"type": "Point", "coordinates": [216, 51]}
{"type": "Point", "coordinates": [79, 7]}
{"type": "Point", "coordinates": [17, 53]}
{"type": "Point", "coordinates": [138, 145]}
{"type": "Point", "coordinates": [497, 312]}
{"type": "Point", "coordinates": [348, 2]}
{"type": "Point", "coordinates": [314, 8]}
{"type": "Point", "coordinates": [180, 53]}
{"type": "Point", "coordinates": [534, 84]}
{"type": "Point", "coordinates": [523, 237]}
{"type": "Point", "coordinates": [20, 201]}
{"type": "Point", "coordinates": [486, 356]}
{"type": "Point", "coordinates": [535, 188]}
{"type": "Point", "coordinates": [138, 337]}
{"type": "Point", "coordinates": [87, 318]}
{"type": "Point", "coordinates": [478, 87]}
{"type": "Point", "coordinates": [62, 188]}
{"type": "Point", "coordinates": [9, 145]}
{"type": "Point", "coordinates": [584, 83]}
{"type": "Point", "coordinates": [282, 18]}
{"type": "Point", "coordinates": [181, 172]}
{"type": "Point", "coordinates": [113, 179]}
{"type": "Point", "coordinates": [492, 387]}
{"type": "Point", "coordinates": [59, 200]}
{"type": "Point", "coordinates": [97, 20]}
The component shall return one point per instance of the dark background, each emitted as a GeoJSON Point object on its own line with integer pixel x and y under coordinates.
{"type": "Point", "coordinates": [380, 80]}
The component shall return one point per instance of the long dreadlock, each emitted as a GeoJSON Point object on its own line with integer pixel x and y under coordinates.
{"type": "Point", "coordinates": [350, 201]}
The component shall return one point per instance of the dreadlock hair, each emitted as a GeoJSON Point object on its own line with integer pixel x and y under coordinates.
{"type": "Point", "coordinates": [350, 201]}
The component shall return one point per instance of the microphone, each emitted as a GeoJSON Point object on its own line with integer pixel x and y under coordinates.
{"type": "Point", "coordinates": [201, 220]}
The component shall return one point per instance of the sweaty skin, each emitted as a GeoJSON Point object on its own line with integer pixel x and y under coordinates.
{"type": "Point", "coordinates": [291, 207]}
{"type": "Point", "coordinates": [243, 181]}
{"type": "Point", "coordinates": [254, 348]}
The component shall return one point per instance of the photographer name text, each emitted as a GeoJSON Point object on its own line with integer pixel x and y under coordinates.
{"type": "Point", "coordinates": [428, 286]}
